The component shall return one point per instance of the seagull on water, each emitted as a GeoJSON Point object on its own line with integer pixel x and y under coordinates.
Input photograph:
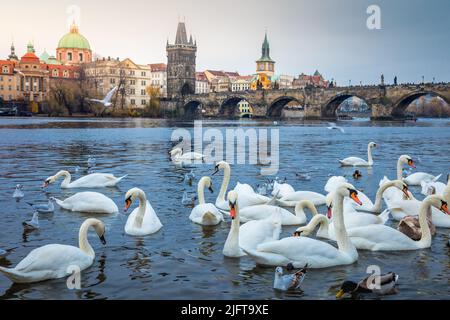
{"type": "Point", "coordinates": [289, 281]}
{"type": "Point", "coordinates": [44, 208]}
{"type": "Point", "coordinates": [33, 224]}
{"type": "Point", "coordinates": [18, 193]}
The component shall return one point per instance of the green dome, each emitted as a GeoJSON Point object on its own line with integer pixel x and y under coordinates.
{"type": "Point", "coordinates": [74, 40]}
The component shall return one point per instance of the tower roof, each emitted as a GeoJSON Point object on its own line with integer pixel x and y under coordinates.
{"type": "Point", "coordinates": [265, 56]}
{"type": "Point", "coordinates": [74, 40]}
{"type": "Point", "coordinates": [181, 37]}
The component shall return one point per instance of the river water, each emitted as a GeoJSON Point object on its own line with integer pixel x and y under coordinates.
{"type": "Point", "coordinates": [184, 260]}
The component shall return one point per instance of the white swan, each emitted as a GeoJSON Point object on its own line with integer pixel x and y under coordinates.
{"type": "Point", "coordinates": [143, 220]}
{"type": "Point", "coordinates": [317, 254]}
{"type": "Point", "coordinates": [417, 178]}
{"type": "Point", "coordinates": [282, 189]}
{"type": "Point", "coordinates": [291, 200]}
{"type": "Point", "coordinates": [383, 238]}
{"type": "Point", "coordinates": [177, 155]}
{"type": "Point", "coordinates": [251, 234]}
{"type": "Point", "coordinates": [205, 213]}
{"type": "Point", "coordinates": [358, 162]}
{"type": "Point", "coordinates": [55, 261]}
{"type": "Point", "coordinates": [368, 205]}
{"type": "Point", "coordinates": [247, 196]}
{"type": "Point", "coordinates": [333, 183]}
{"type": "Point", "coordinates": [429, 188]}
{"type": "Point", "coordinates": [261, 212]}
{"type": "Point", "coordinates": [91, 202]}
{"type": "Point", "coordinates": [94, 180]}
{"type": "Point", "coordinates": [393, 193]}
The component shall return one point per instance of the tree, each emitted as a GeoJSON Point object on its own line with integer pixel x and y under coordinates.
{"type": "Point", "coordinates": [153, 107]}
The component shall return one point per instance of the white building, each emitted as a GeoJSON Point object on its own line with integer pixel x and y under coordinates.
{"type": "Point", "coordinates": [159, 77]}
{"type": "Point", "coordinates": [284, 81]}
{"type": "Point", "coordinates": [241, 83]}
{"type": "Point", "coordinates": [201, 83]}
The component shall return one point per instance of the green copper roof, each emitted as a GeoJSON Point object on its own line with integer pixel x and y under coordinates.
{"type": "Point", "coordinates": [74, 40]}
{"type": "Point", "coordinates": [44, 56]}
{"type": "Point", "coordinates": [52, 60]}
{"type": "Point", "coordinates": [265, 57]}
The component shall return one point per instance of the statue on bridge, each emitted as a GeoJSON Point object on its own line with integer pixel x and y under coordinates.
{"type": "Point", "coordinates": [382, 79]}
{"type": "Point", "coordinates": [395, 80]}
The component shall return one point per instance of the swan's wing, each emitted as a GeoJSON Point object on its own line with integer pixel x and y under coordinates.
{"type": "Point", "coordinates": [96, 100]}
{"type": "Point", "coordinates": [353, 160]}
{"type": "Point", "coordinates": [110, 94]}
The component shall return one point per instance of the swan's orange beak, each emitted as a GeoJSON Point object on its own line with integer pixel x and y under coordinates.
{"type": "Point", "coordinates": [128, 203]}
{"type": "Point", "coordinates": [329, 212]}
{"type": "Point", "coordinates": [444, 208]}
{"type": "Point", "coordinates": [354, 196]}
{"type": "Point", "coordinates": [232, 212]}
{"type": "Point", "coordinates": [406, 191]}
{"type": "Point", "coordinates": [411, 163]}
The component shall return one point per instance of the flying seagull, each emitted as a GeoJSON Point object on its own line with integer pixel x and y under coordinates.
{"type": "Point", "coordinates": [107, 99]}
{"type": "Point", "coordinates": [333, 126]}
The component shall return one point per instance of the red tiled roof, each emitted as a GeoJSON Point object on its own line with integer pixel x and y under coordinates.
{"type": "Point", "coordinates": [200, 76]}
{"type": "Point", "coordinates": [29, 57]}
{"type": "Point", "coordinates": [223, 73]}
{"type": "Point", "coordinates": [10, 64]}
{"type": "Point", "coordinates": [155, 67]}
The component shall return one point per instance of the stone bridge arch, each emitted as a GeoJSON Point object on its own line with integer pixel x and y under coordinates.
{"type": "Point", "coordinates": [192, 109]}
{"type": "Point", "coordinates": [399, 107]}
{"type": "Point", "coordinates": [229, 106]}
{"type": "Point", "coordinates": [275, 108]}
{"type": "Point", "coordinates": [331, 106]}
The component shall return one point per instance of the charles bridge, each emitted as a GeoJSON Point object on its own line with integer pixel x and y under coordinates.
{"type": "Point", "coordinates": [386, 102]}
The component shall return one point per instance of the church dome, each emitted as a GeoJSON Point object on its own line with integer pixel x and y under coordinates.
{"type": "Point", "coordinates": [74, 40]}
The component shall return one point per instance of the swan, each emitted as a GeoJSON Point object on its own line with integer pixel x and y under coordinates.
{"type": "Point", "coordinates": [178, 155]}
{"type": "Point", "coordinates": [417, 178]}
{"type": "Point", "coordinates": [383, 238]}
{"type": "Point", "coordinates": [205, 213]}
{"type": "Point", "coordinates": [91, 202]}
{"type": "Point", "coordinates": [369, 206]}
{"type": "Point", "coordinates": [282, 189]}
{"type": "Point", "coordinates": [261, 212]}
{"type": "Point", "coordinates": [291, 200]}
{"type": "Point", "coordinates": [378, 237]}
{"type": "Point", "coordinates": [248, 196]}
{"type": "Point", "coordinates": [393, 193]}
{"type": "Point", "coordinates": [358, 162]}
{"type": "Point", "coordinates": [429, 188]}
{"type": "Point", "coordinates": [55, 261]}
{"type": "Point", "coordinates": [251, 234]}
{"type": "Point", "coordinates": [334, 182]}
{"type": "Point", "coordinates": [143, 220]}
{"type": "Point", "coordinates": [94, 180]}
{"type": "Point", "coordinates": [317, 254]}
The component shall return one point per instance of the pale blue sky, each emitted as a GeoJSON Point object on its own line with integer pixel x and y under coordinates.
{"type": "Point", "coordinates": [304, 35]}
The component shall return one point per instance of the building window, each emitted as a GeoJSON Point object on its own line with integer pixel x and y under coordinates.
{"type": "Point", "coordinates": [142, 92]}
{"type": "Point", "coordinates": [10, 97]}
{"type": "Point", "coordinates": [143, 83]}
{"type": "Point", "coordinates": [65, 74]}
{"type": "Point", "coordinates": [143, 73]}
{"type": "Point", "coordinates": [1, 87]}
{"type": "Point", "coordinates": [55, 73]}
{"type": "Point", "coordinates": [112, 81]}
{"type": "Point", "coordinates": [5, 69]}
{"type": "Point", "coordinates": [132, 91]}
{"type": "Point", "coordinates": [112, 71]}
{"type": "Point", "coordinates": [69, 56]}
{"type": "Point", "coordinates": [80, 57]}
{"type": "Point", "coordinates": [131, 72]}
{"type": "Point", "coordinates": [132, 82]}
{"type": "Point", "coordinates": [143, 102]}
{"type": "Point", "coordinates": [9, 87]}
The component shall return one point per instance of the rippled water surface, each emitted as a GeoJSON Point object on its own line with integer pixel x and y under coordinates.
{"type": "Point", "coordinates": [184, 260]}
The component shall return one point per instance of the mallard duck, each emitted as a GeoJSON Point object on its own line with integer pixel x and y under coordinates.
{"type": "Point", "coordinates": [289, 281]}
{"type": "Point", "coordinates": [410, 226]}
{"type": "Point", "coordinates": [350, 289]}
{"type": "Point", "coordinates": [357, 174]}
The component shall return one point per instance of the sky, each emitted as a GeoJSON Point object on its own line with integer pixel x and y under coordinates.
{"type": "Point", "coordinates": [329, 35]}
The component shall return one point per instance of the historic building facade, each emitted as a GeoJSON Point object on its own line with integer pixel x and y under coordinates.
{"type": "Point", "coordinates": [201, 83]}
{"type": "Point", "coordinates": [74, 48]}
{"type": "Point", "coordinates": [316, 80]}
{"type": "Point", "coordinates": [159, 77]}
{"type": "Point", "coordinates": [181, 63]}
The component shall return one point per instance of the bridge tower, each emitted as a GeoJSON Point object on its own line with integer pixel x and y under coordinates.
{"type": "Point", "coordinates": [181, 58]}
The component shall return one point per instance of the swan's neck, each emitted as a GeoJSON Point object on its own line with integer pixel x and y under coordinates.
{"type": "Point", "coordinates": [232, 243]}
{"type": "Point", "coordinates": [201, 191]}
{"type": "Point", "coordinates": [300, 208]}
{"type": "Point", "coordinates": [83, 240]}
{"type": "Point", "coordinates": [67, 178]}
{"type": "Point", "coordinates": [139, 218]}
{"type": "Point", "coordinates": [379, 196]}
{"type": "Point", "coordinates": [323, 223]}
{"type": "Point", "coordinates": [225, 182]}
{"type": "Point", "coordinates": [369, 155]}
{"type": "Point", "coordinates": [399, 170]}
{"type": "Point", "coordinates": [425, 240]}
{"type": "Point", "coordinates": [342, 239]}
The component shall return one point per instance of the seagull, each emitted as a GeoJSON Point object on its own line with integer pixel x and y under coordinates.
{"type": "Point", "coordinates": [333, 126]}
{"type": "Point", "coordinates": [91, 162]}
{"type": "Point", "coordinates": [44, 208]}
{"type": "Point", "coordinates": [107, 99]}
{"type": "Point", "coordinates": [33, 224]}
{"type": "Point", "coordinates": [18, 193]}
{"type": "Point", "coordinates": [289, 281]}
{"type": "Point", "coordinates": [188, 201]}
{"type": "Point", "coordinates": [189, 177]}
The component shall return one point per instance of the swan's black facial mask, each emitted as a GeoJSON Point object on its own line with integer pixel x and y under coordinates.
{"type": "Point", "coordinates": [128, 203]}
{"type": "Point", "coordinates": [102, 239]}
{"type": "Point", "coordinates": [216, 170]}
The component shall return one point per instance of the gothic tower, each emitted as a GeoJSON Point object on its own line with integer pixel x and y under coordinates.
{"type": "Point", "coordinates": [265, 64]}
{"type": "Point", "coordinates": [181, 64]}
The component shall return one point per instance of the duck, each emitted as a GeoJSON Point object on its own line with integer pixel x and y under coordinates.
{"type": "Point", "coordinates": [205, 214]}
{"type": "Point", "coordinates": [387, 286]}
{"type": "Point", "coordinates": [18, 193]}
{"type": "Point", "coordinates": [317, 254]}
{"type": "Point", "coordinates": [261, 212]}
{"type": "Point", "coordinates": [90, 202]}
{"type": "Point", "coordinates": [53, 261]}
{"type": "Point", "coordinates": [143, 221]}
{"type": "Point", "coordinates": [44, 208]}
{"type": "Point", "coordinates": [289, 282]}
{"type": "Point", "coordinates": [251, 234]}
{"type": "Point", "coordinates": [248, 196]}
{"type": "Point", "coordinates": [177, 155]}
{"type": "Point", "coordinates": [357, 175]}
{"type": "Point", "coordinates": [358, 162]}
{"type": "Point", "coordinates": [93, 180]}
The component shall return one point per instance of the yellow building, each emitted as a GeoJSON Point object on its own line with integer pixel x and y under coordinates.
{"type": "Point", "coordinates": [265, 69]}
